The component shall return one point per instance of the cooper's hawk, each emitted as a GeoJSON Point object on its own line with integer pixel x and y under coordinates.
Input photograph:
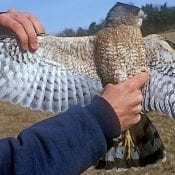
{"type": "Point", "coordinates": [66, 71]}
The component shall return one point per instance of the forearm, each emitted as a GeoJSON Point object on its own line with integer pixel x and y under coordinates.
{"type": "Point", "coordinates": [64, 144]}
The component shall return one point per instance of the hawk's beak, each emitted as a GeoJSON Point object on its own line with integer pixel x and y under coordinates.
{"type": "Point", "coordinates": [145, 16]}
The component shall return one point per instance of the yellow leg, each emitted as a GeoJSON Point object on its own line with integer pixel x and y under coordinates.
{"type": "Point", "coordinates": [128, 143]}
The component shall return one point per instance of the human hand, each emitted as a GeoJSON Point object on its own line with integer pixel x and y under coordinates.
{"type": "Point", "coordinates": [25, 26]}
{"type": "Point", "coordinates": [125, 99]}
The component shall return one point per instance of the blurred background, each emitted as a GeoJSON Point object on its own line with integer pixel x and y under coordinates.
{"type": "Point", "coordinates": [77, 17]}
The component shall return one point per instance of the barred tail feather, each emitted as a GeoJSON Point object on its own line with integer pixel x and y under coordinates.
{"type": "Point", "coordinates": [148, 148]}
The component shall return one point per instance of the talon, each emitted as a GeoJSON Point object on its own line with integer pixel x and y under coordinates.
{"type": "Point", "coordinates": [128, 143]}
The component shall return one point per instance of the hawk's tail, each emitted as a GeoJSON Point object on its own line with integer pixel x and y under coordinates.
{"type": "Point", "coordinates": [148, 148]}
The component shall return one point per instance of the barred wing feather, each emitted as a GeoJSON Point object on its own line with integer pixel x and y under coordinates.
{"type": "Point", "coordinates": [160, 91]}
{"type": "Point", "coordinates": [61, 73]}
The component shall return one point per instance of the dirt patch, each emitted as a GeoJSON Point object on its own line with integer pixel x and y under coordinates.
{"type": "Point", "coordinates": [169, 35]}
{"type": "Point", "coordinates": [14, 118]}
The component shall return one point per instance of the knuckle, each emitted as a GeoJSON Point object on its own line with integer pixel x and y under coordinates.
{"type": "Point", "coordinates": [30, 31]}
{"type": "Point", "coordinates": [131, 84]}
{"type": "Point", "coordinates": [3, 17]}
{"type": "Point", "coordinates": [140, 97]}
{"type": "Point", "coordinates": [137, 109]}
{"type": "Point", "coordinates": [109, 85]}
{"type": "Point", "coordinates": [137, 118]}
{"type": "Point", "coordinates": [11, 11]}
{"type": "Point", "coordinates": [33, 18]}
{"type": "Point", "coordinates": [17, 26]}
{"type": "Point", "coordinates": [139, 92]}
{"type": "Point", "coordinates": [33, 39]}
{"type": "Point", "coordinates": [23, 39]}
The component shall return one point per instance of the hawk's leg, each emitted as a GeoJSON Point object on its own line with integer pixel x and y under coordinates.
{"type": "Point", "coordinates": [128, 143]}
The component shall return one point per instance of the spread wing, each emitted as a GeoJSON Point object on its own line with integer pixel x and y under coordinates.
{"type": "Point", "coordinates": [61, 73]}
{"type": "Point", "coordinates": [160, 91]}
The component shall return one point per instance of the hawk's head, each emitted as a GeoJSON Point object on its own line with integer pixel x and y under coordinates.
{"type": "Point", "coordinates": [125, 14]}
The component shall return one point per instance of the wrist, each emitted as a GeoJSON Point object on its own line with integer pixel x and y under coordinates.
{"type": "Point", "coordinates": [106, 117]}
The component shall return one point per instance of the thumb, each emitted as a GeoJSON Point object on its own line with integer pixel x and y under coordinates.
{"type": "Point", "coordinates": [139, 80]}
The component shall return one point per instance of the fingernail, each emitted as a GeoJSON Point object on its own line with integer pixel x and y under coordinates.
{"type": "Point", "coordinates": [25, 47]}
{"type": "Point", "coordinates": [34, 46]}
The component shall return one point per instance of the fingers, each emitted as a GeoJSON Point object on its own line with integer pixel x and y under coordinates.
{"type": "Point", "coordinates": [125, 99]}
{"type": "Point", "coordinates": [131, 121]}
{"type": "Point", "coordinates": [138, 81]}
{"type": "Point", "coordinates": [137, 109]}
{"type": "Point", "coordinates": [135, 97]}
{"type": "Point", "coordinates": [36, 23]}
{"type": "Point", "coordinates": [135, 120]}
{"type": "Point", "coordinates": [28, 38]}
{"type": "Point", "coordinates": [24, 26]}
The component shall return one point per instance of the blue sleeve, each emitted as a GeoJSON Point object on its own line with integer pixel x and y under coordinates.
{"type": "Point", "coordinates": [65, 144]}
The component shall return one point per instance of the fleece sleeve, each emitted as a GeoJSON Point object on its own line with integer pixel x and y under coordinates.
{"type": "Point", "coordinates": [65, 144]}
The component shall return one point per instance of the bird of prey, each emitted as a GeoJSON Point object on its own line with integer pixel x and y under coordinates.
{"type": "Point", "coordinates": [66, 71]}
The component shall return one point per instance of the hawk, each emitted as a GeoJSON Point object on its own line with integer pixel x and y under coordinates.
{"type": "Point", "coordinates": [67, 71]}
